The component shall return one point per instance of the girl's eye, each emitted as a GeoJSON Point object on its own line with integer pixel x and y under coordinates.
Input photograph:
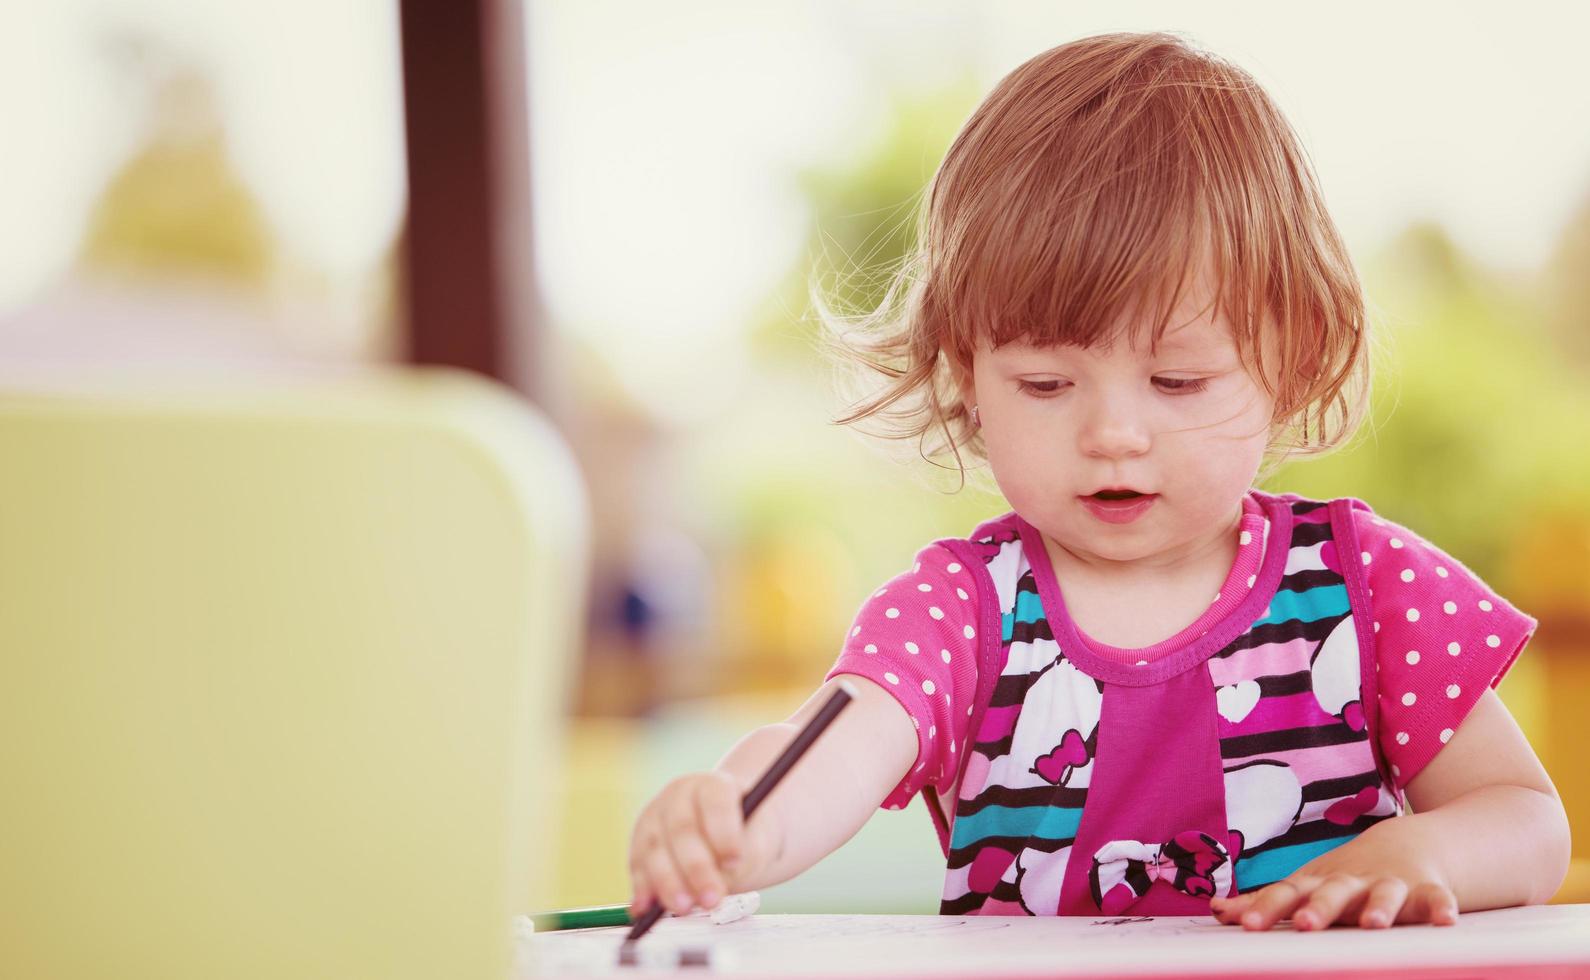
{"type": "Point", "coordinates": [1038, 387]}
{"type": "Point", "coordinates": [1177, 385]}
{"type": "Point", "coordinates": [1184, 385]}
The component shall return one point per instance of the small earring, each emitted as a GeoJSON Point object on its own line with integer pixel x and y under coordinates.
{"type": "Point", "coordinates": [974, 417]}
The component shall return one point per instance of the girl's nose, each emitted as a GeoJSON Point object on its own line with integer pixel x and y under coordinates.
{"type": "Point", "coordinates": [1115, 428]}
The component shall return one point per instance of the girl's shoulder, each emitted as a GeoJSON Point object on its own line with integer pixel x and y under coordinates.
{"type": "Point", "coordinates": [986, 540]}
{"type": "Point", "coordinates": [1358, 525]}
{"type": "Point", "coordinates": [1373, 532]}
{"type": "Point", "coordinates": [1004, 527]}
{"type": "Point", "coordinates": [1442, 636]}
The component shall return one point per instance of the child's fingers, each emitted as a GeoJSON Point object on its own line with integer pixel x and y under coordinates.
{"type": "Point", "coordinates": [1326, 903]}
{"type": "Point", "coordinates": [667, 885]}
{"type": "Point", "coordinates": [640, 894]}
{"type": "Point", "coordinates": [1384, 903]}
{"type": "Point", "coordinates": [691, 855]}
{"type": "Point", "coordinates": [699, 868]}
{"type": "Point", "coordinates": [1277, 901]}
{"type": "Point", "coordinates": [1229, 909]}
{"type": "Point", "coordinates": [643, 885]}
{"type": "Point", "coordinates": [1432, 903]}
{"type": "Point", "coordinates": [718, 810]}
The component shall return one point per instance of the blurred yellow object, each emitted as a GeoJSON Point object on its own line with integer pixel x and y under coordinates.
{"type": "Point", "coordinates": [602, 793]}
{"type": "Point", "coordinates": [283, 667]}
{"type": "Point", "coordinates": [1575, 888]}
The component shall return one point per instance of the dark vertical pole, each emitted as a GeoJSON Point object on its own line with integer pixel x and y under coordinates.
{"type": "Point", "coordinates": [471, 296]}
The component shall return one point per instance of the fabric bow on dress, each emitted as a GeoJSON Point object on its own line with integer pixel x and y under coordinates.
{"type": "Point", "coordinates": [1192, 861]}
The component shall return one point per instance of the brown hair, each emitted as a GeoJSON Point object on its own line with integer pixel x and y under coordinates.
{"type": "Point", "coordinates": [1085, 187]}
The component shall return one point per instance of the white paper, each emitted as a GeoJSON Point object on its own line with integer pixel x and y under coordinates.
{"type": "Point", "coordinates": [944, 946]}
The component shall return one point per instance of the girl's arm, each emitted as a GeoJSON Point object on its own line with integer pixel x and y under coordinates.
{"type": "Point", "coordinates": [1486, 793]}
{"type": "Point", "coordinates": [1488, 831]}
{"type": "Point", "coordinates": [917, 635]}
{"type": "Point", "coordinates": [690, 846]}
{"type": "Point", "coordinates": [839, 783]}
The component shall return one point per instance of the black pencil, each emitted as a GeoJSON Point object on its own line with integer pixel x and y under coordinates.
{"type": "Point", "coordinates": [748, 804]}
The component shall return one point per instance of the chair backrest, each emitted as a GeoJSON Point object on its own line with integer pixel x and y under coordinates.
{"type": "Point", "coordinates": [282, 668]}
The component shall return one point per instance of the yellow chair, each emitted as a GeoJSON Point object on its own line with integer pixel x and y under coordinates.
{"type": "Point", "coordinates": [281, 667]}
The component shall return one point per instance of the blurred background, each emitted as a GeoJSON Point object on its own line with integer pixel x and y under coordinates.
{"type": "Point", "coordinates": [614, 209]}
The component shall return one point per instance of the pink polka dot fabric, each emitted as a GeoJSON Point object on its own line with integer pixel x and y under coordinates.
{"type": "Point", "coordinates": [1441, 638]}
{"type": "Point", "coordinates": [916, 637]}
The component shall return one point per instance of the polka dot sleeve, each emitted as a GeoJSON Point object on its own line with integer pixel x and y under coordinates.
{"type": "Point", "coordinates": [1442, 636]}
{"type": "Point", "coordinates": [916, 638]}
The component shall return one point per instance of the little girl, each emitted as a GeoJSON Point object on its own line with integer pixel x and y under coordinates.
{"type": "Point", "coordinates": [1150, 688]}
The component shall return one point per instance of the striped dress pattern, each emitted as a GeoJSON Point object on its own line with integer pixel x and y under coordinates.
{"type": "Point", "coordinates": [1297, 771]}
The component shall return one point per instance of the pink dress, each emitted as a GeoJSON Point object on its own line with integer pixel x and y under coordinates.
{"type": "Point", "coordinates": [1066, 776]}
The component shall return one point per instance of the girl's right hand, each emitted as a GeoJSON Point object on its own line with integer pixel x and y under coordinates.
{"type": "Point", "coordinates": [691, 847]}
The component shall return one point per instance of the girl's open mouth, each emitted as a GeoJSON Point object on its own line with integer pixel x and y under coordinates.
{"type": "Point", "coordinates": [1120, 511]}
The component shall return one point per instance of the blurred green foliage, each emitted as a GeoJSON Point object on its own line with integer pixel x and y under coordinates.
{"type": "Point", "coordinates": [1478, 406]}
{"type": "Point", "coordinates": [1479, 416]}
{"type": "Point", "coordinates": [863, 217]}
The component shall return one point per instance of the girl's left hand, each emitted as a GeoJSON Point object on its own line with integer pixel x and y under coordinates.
{"type": "Point", "coordinates": [1374, 880]}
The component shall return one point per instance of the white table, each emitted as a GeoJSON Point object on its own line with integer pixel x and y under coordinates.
{"type": "Point", "coordinates": [1551, 942]}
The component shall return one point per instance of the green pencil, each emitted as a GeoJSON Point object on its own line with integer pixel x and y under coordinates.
{"type": "Point", "coordinates": [598, 915]}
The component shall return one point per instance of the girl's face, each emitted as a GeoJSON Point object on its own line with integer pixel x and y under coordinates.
{"type": "Point", "coordinates": [1189, 426]}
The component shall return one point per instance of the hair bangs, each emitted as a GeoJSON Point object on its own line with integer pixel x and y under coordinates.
{"type": "Point", "coordinates": [1090, 282]}
{"type": "Point", "coordinates": [1091, 190]}
{"type": "Point", "coordinates": [1094, 242]}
